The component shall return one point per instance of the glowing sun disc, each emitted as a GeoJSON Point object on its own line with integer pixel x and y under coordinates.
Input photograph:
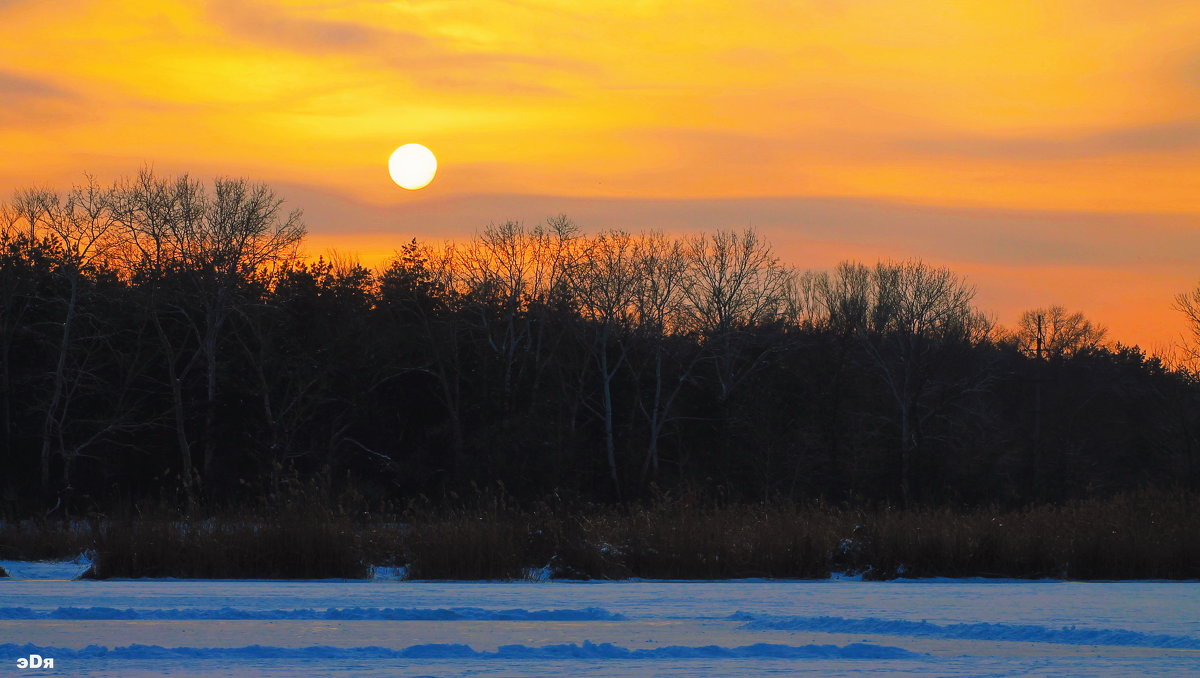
{"type": "Point", "coordinates": [412, 166]}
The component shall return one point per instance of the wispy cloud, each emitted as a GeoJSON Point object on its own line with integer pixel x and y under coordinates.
{"type": "Point", "coordinates": [273, 24]}
{"type": "Point", "coordinates": [429, 61]}
{"type": "Point", "coordinates": [1179, 136]}
{"type": "Point", "coordinates": [32, 101]}
{"type": "Point", "coordinates": [14, 86]}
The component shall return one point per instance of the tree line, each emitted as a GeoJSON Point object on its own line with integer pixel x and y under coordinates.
{"type": "Point", "coordinates": [164, 338]}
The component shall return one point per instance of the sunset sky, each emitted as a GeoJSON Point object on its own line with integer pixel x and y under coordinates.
{"type": "Point", "coordinates": [1050, 151]}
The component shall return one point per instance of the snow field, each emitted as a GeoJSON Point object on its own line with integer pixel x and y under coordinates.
{"type": "Point", "coordinates": [740, 628]}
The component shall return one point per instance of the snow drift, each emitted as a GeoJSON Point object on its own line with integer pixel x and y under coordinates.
{"type": "Point", "coordinates": [1029, 633]}
{"type": "Point", "coordinates": [586, 650]}
{"type": "Point", "coordinates": [338, 613]}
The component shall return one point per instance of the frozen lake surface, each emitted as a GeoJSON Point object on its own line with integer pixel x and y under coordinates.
{"type": "Point", "coordinates": [641, 628]}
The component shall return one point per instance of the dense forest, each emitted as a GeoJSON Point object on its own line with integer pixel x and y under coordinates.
{"type": "Point", "coordinates": [164, 339]}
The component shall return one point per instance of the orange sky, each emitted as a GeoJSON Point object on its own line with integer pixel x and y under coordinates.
{"type": "Point", "coordinates": [1050, 150]}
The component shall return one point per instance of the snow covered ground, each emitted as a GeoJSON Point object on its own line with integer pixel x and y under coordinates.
{"type": "Point", "coordinates": [640, 628]}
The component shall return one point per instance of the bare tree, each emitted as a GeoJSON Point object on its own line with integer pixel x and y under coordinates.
{"type": "Point", "coordinates": [244, 237]}
{"type": "Point", "coordinates": [734, 282]}
{"type": "Point", "coordinates": [1048, 334]}
{"type": "Point", "coordinates": [31, 205]}
{"type": "Point", "coordinates": [218, 243]}
{"type": "Point", "coordinates": [158, 214]}
{"type": "Point", "coordinates": [1188, 303]}
{"type": "Point", "coordinates": [604, 278]}
{"type": "Point", "coordinates": [905, 314]}
{"type": "Point", "coordinates": [82, 225]}
{"type": "Point", "coordinates": [77, 232]}
{"type": "Point", "coordinates": [10, 217]}
{"type": "Point", "coordinates": [841, 302]}
{"type": "Point", "coordinates": [659, 301]}
{"type": "Point", "coordinates": [18, 293]}
{"type": "Point", "coordinates": [1054, 333]}
{"type": "Point", "coordinates": [512, 269]}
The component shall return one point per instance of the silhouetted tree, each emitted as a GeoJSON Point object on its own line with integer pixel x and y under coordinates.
{"type": "Point", "coordinates": [160, 331]}
{"type": "Point", "coordinates": [909, 317]}
{"type": "Point", "coordinates": [1054, 333]}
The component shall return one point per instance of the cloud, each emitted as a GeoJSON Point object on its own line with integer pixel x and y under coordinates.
{"type": "Point", "coordinates": [14, 86]}
{"type": "Point", "coordinates": [763, 151]}
{"type": "Point", "coordinates": [311, 36]}
{"type": "Point", "coordinates": [997, 237]}
{"type": "Point", "coordinates": [404, 54]}
{"type": "Point", "coordinates": [32, 101]}
{"type": "Point", "coordinates": [1179, 136]}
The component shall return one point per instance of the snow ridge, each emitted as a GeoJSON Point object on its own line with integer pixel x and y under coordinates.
{"type": "Point", "coordinates": [1029, 633]}
{"type": "Point", "coordinates": [586, 650]}
{"type": "Point", "coordinates": [342, 613]}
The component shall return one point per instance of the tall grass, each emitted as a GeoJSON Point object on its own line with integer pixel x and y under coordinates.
{"type": "Point", "coordinates": [273, 547]}
{"type": "Point", "coordinates": [44, 539]}
{"type": "Point", "coordinates": [1149, 534]}
{"type": "Point", "coordinates": [1144, 535]}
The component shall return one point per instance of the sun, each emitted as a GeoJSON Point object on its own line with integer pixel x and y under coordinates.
{"type": "Point", "coordinates": [412, 166]}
